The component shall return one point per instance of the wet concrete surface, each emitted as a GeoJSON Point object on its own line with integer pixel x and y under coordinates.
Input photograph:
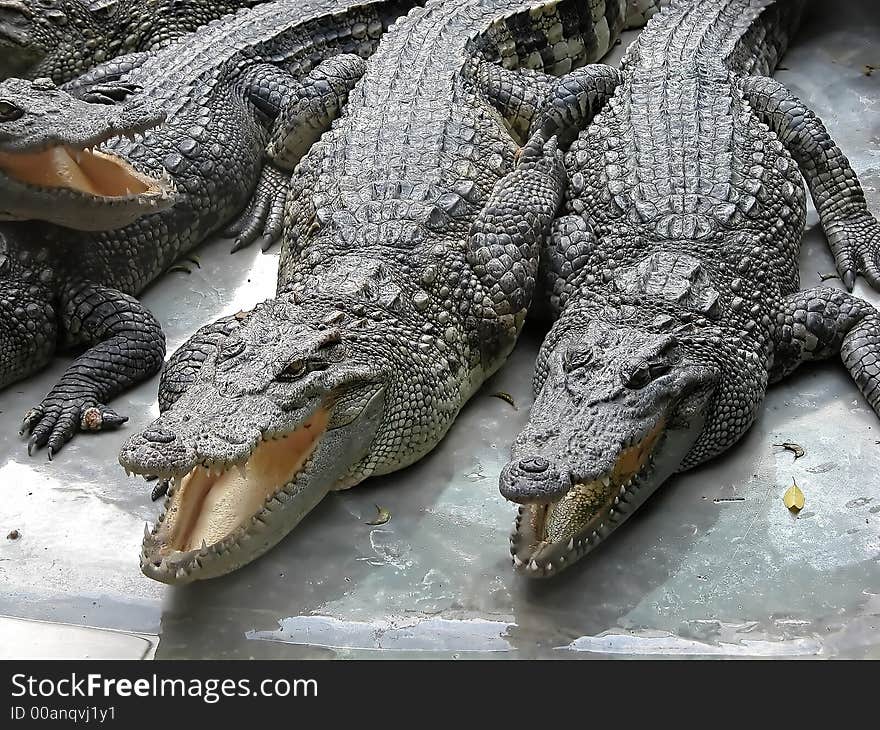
{"type": "Point", "coordinates": [713, 565]}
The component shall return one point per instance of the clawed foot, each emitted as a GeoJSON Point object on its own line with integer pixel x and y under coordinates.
{"type": "Point", "coordinates": [56, 420]}
{"type": "Point", "coordinates": [855, 244]}
{"type": "Point", "coordinates": [108, 93]}
{"type": "Point", "coordinates": [263, 218]}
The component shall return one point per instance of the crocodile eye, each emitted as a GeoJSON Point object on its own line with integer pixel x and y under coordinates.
{"type": "Point", "coordinates": [636, 379]}
{"type": "Point", "coordinates": [294, 370]}
{"type": "Point", "coordinates": [657, 369]}
{"type": "Point", "coordinates": [9, 112]}
{"type": "Point", "coordinates": [644, 374]}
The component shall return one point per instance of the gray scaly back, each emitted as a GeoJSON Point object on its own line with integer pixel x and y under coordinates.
{"type": "Point", "coordinates": [62, 39]}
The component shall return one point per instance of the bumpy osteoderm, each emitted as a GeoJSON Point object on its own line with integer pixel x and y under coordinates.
{"type": "Point", "coordinates": [62, 39]}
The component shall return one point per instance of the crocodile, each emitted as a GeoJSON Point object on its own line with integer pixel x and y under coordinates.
{"type": "Point", "coordinates": [62, 39]}
{"type": "Point", "coordinates": [218, 94]}
{"type": "Point", "coordinates": [62, 162]}
{"type": "Point", "coordinates": [672, 271]}
{"type": "Point", "coordinates": [409, 255]}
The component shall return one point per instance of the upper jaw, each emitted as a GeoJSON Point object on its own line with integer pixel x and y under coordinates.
{"type": "Point", "coordinates": [75, 185]}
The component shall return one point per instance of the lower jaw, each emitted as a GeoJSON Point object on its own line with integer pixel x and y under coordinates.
{"type": "Point", "coordinates": [178, 550]}
{"type": "Point", "coordinates": [539, 558]}
{"type": "Point", "coordinates": [180, 568]}
{"type": "Point", "coordinates": [281, 514]}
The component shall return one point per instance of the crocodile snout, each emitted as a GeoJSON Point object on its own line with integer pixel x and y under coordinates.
{"type": "Point", "coordinates": [534, 480]}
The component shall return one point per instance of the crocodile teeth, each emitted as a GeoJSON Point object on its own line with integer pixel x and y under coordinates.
{"type": "Point", "coordinates": [571, 543]}
{"type": "Point", "coordinates": [533, 566]}
{"type": "Point", "coordinates": [606, 481]}
{"type": "Point", "coordinates": [517, 561]}
{"type": "Point", "coordinates": [204, 549]}
{"type": "Point", "coordinates": [146, 529]}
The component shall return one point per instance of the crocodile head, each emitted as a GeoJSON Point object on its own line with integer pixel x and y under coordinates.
{"type": "Point", "coordinates": [52, 167]}
{"type": "Point", "coordinates": [286, 409]}
{"type": "Point", "coordinates": [619, 410]}
{"type": "Point", "coordinates": [55, 38]}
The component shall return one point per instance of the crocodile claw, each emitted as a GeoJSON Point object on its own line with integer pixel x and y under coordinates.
{"type": "Point", "coordinates": [263, 219]}
{"type": "Point", "coordinates": [855, 244]}
{"type": "Point", "coordinates": [57, 420]}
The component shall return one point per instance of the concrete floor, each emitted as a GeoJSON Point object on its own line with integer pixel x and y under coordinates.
{"type": "Point", "coordinates": [713, 565]}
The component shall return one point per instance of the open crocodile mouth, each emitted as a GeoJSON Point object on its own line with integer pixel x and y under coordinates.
{"type": "Point", "coordinates": [546, 537]}
{"type": "Point", "coordinates": [87, 170]}
{"type": "Point", "coordinates": [212, 509]}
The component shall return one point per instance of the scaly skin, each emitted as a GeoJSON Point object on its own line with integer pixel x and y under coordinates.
{"type": "Point", "coordinates": [219, 95]}
{"type": "Point", "coordinates": [674, 274]}
{"type": "Point", "coordinates": [232, 79]}
{"type": "Point", "coordinates": [62, 39]}
{"type": "Point", "coordinates": [410, 253]}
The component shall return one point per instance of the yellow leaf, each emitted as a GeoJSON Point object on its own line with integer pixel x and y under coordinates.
{"type": "Point", "coordinates": [382, 516]}
{"type": "Point", "coordinates": [794, 498]}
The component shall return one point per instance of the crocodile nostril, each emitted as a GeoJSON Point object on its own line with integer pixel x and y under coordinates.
{"type": "Point", "coordinates": [159, 437]}
{"type": "Point", "coordinates": [534, 465]}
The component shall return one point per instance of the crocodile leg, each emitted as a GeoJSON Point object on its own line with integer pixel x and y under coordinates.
{"type": "Point", "coordinates": [820, 322]}
{"type": "Point", "coordinates": [517, 95]}
{"type": "Point", "coordinates": [263, 218]}
{"type": "Point", "coordinates": [568, 246]}
{"type": "Point", "coordinates": [313, 106]}
{"type": "Point", "coordinates": [316, 104]}
{"type": "Point", "coordinates": [575, 100]}
{"type": "Point", "coordinates": [28, 327]}
{"type": "Point", "coordinates": [102, 84]}
{"type": "Point", "coordinates": [127, 345]}
{"type": "Point", "coordinates": [504, 241]}
{"type": "Point", "coordinates": [853, 233]}
{"type": "Point", "coordinates": [184, 365]}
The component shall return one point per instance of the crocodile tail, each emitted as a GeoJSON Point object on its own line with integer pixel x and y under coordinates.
{"type": "Point", "coordinates": [554, 36]}
{"type": "Point", "coordinates": [762, 46]}
{"type": "Point", "coordinates": [860, 352]}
